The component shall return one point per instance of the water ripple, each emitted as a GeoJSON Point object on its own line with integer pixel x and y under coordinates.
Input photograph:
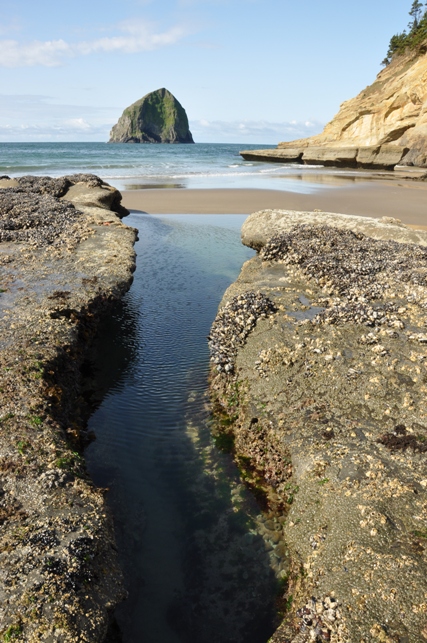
{"type": "Point", "coordinates": [194, 573]}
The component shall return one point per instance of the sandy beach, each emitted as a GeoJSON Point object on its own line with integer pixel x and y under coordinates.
{"type": "Point", "coordinates": [405, 200]}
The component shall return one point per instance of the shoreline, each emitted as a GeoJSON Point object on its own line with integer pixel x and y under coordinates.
{"type": "Point", "coordinates": [402, 199]}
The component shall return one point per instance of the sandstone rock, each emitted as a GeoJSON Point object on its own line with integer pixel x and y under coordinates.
{"type": "Point", "coordinates": [157, 117]}
{"type": "Point", "coordinates": [345, 156]}
{"type": "Point", "coordinates": [292, 155]}
{"type": "Point", "coordinates": [261, 226]}
{"type": "Point", "coordinates": [386, 124]}
{"type": "Point", "coordinates": [101, 196]}
{"type": "Point", "coordinates": [63, 260]}
{"type": "Point", "coordinates": [331, 415]}
{"type": "Point", "coordinates": [387, 156]}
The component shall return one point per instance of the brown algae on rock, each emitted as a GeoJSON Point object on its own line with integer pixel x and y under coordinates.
{"type": "Point", "coordinates": [61, 267]}
{"type": "Point", "coordinates": [327, 407]}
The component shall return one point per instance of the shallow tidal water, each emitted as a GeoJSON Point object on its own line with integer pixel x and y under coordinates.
{"type": "Point", "coordinates": [192, 540]}
{"type": "Point", "coordinates": [204, 165]}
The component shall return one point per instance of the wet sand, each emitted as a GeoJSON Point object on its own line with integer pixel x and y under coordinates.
{"type": "Point", "coordinates": [405, 200]}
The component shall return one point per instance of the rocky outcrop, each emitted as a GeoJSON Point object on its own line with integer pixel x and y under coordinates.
{"type": "Point", "coordinates": [385, 125]}
{"type": "Point", "coordinates": [158, 117]}
{"type": "Point", "coordinates": [318, 366]}
{"type": "Point", "coordinates": [65, 256]}
{"type": "Point", "coordinates": [383, 157]}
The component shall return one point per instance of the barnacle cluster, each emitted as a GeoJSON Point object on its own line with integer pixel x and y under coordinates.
{"type": "Point", "coordinates": [357, 268]}
{"type": "Point", "coordinates": [233, 324]}
{"type": "Point", "coordinates": [320, 620]}
{"type": "Point", "coordinates": [34, 212]}
{"type": "Point", "coordinates": [39, 219]}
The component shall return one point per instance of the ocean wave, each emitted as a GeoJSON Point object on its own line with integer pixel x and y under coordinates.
{"type": "Point", "coordinates": [208, 174]}
{"type": "Point", "coordinates": [188, 175]}
{"type": "Point", "coordinates": [203, 165]}
{"type": "Point", "coordinates": [308, 166]}
{"type": "Point", "coordinates": [271, 170]}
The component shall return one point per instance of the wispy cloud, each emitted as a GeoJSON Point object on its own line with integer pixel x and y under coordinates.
{"type": "Point", "coordinates": [134, 36]}
{"type": "Point", "coordinates": [31, 117]}
{"type": "Point", "coordinates": [69, 130]}
{"type": "Point", "coordinates": [252, 131]}
{"type": "Point", "coordinates": [137, 36]}
{"type": "Point", "coordinates": [18, 108]}
{"type": "Point", "coordinates": [49, 53]}
{"type": "Point", "coordinates": [79, 124]}
{"type": "Point", "coordinates": [6, 28]}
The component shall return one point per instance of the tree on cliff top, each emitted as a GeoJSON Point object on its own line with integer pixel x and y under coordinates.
{"type": "Point", "coordinates": [400, 42]}
{"type": "Point", "coordinates": [415, 13]}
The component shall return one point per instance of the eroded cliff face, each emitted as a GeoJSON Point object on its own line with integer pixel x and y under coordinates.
{"type": "Point", "coordinates": [384, 125]}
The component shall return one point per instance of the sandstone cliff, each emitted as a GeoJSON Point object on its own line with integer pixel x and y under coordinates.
{"type": "Point", "coordinates": [158, 117]}
{"type": "Point", "coordinates": [385, 125]}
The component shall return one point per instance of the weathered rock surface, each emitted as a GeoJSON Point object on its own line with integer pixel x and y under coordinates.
{"type": "Point", "coordinates": [325, 395]}
{"type": "Point", "coordinates": [158, 117]}
{"type": "Point", "coordinates": [261, 226]}
{"type": "Point", "coordinates": [385, 125]}
{"type": "Point", "coordinates": [60, 269]}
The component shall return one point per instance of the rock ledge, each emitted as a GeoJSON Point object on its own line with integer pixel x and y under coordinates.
{"type": "Point", "coordinates": [326, 404]}
{"type": "Point", "coordinates": [65, 256]}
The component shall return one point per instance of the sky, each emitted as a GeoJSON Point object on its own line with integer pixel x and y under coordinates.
{"type": "Point", "coordinates": [246, 71]}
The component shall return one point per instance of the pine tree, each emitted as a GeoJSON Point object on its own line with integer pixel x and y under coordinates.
{"type": "Point", "coordinates": [415, 13]}
{"type": "Point", "coordinates": [416, 36]}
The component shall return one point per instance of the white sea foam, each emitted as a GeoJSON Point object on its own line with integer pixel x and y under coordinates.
{"type": "Point", "coordinates": [206, 174]}
{"type": "Point", "coordinates": [271, 170]}
{"type": "Point", "coordinates": [198, 166]}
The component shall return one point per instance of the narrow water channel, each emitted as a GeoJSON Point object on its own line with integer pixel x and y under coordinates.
{"type": "Point", "coordinates": [196, 568]}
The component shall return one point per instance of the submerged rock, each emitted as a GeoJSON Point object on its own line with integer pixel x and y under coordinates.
{"type": "Point", "coordinates": [158, 117]}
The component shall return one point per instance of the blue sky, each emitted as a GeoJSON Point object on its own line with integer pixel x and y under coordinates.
{"type": "Point", "coordinates": [246, 71]}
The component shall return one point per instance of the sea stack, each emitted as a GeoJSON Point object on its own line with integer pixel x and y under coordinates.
{"type": "Point", "coordinates": [157, 117]}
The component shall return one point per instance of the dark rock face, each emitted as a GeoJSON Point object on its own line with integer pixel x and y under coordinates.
{"type": "Point", "coordinates": [158, 117]}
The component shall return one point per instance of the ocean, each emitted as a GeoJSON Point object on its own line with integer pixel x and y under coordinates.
{"type": "Point", "coordinates": [203, 165]}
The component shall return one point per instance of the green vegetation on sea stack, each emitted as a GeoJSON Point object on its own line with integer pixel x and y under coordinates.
{"type": "Point", "coordinates": [158, 117]}
{"type": "Point", "coordinates": [414, 38]}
